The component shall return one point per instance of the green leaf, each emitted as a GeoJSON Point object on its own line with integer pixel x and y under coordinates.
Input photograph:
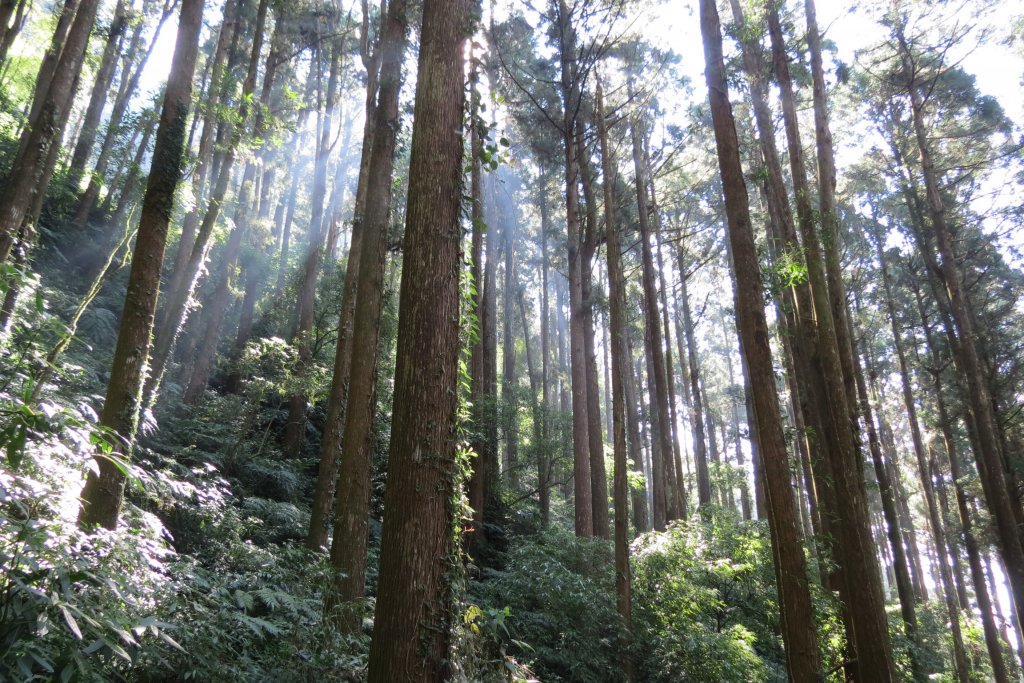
{"type": "Point", "coordinates": [118, 650]}
{"type": "Point", "coordinates": [170, 641]}
{"type": "Point", "coordinates": [70, 620]}
{"type": "Point", "coordinates": [16, 445]}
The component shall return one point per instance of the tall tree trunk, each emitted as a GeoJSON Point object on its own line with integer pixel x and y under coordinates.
{"type": "Point", "coordinates": [563, 390]}
{"type": "Point", "coordinates": [941, 491]}
{"type": "Point", "coordinates": [11, 27]}
{"type": "Point", "coordinates": [683, 379]}
{"type": "Point", "coordinates": [412, 624]}
{"type": "Point", "coordinates": [989, 457]}
{"type": "Point", "coordinates": [98, 98]}
{"type": "Point", "coordinates": [659, 479]}
{"type": "Point", "coordinates": [331, 441]}
{"type": "Point", "coordinates": [225, 38]}
{"type": "Point", "coordinates": [255, 273]}
{"type": "Point", "coordinates": [130, 186]}
{"type": "Point", "coordinates": [974, 559]}
{"type": "Point", "coordinates": [641, 510]}
{"type": "Point", "coordinates": [103, 494]}
{"type": "Point", "coordinates": [176, 311]}
{"type": "Point", "coordinates": [537, 412]}
{"type": "Point", "coordinates": [28, 178]}
{"type": "Point", "coordinates": [794, 308]}
{"type": "Point", "coordinates": [700, 453]}
{"type": "Point", "coordinates": [904, 585]}
{"type": "Point", "coordinates": [339, 191]}
{"type": "Point", "coordinates": [1009, 621]}
{"type": "Point", "coordinates": [223, 295]}
{"type": "Point", "coordinates": [25, 238]}
{"type": "Point", "coordinates": [352, 502]}
{"type": "Point", "coordinates": [598, 475]}
{"type": "Point", "coordinates": [570, 90]}
{"type": "Point", "coordinates": [670, 380]}
{"type": "Point", "coordinates": [713, 455]}
{"type": "Point", "coordinates": [295, 426]}
{"type": "Point", "coordinates": [543, 460]}
{"type": "Point", "coordinates": [798, 624]}
{"type": "Point", "coordinates": [478, 485]}
{"type": "Point", "coordinates": [620, 360]}
{"type": "Point", "coordinates": [48, 66]}
{"type": "Point", "coordinates": [489, 335]}
{"type": "Point", "coordinates": [922, 467]}
{"type": "Point", "coordinates": [737, 444]}
{"type": "Point", "coordinates": [829, 219]}
{"type": "Point", "coordinates": [508, 347]}
{"type": "Point", "coordinates": [663, 474]}
{"type": "Point", "coordinates": [131, 73]}
{"type": "Point", "coordinates": [863, 597]}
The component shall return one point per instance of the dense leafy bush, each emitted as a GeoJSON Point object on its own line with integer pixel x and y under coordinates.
{"type": "Point", "coordinates": [560, 592]}
{"type": "Point", "coordinates": [237, 603]}
{"type": "Point", "coordinates": [705, 603]}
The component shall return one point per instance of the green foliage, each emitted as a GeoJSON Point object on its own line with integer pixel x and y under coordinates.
{"type": "Point", "coordinates": [256, 616]}
{"type": "Point", "coordinates": [480, 644]}
{"type": "Point", "coordinates": [705, 607]}
{"type": "Point", "coordinates": [560, 593]}
{"type": "Point", "coordinates": [242, 605]}
{"type": "Point", "coordinates": [74, 606]}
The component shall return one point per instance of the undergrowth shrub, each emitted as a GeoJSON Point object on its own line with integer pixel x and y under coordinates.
{"type": "Point", "coordinates": [73, 606]}
{"type": "Point", "coordinates": [560, 593]}
{"type": "Point", "coordinates": [704, 603]}
{"type": "Point", "coordinates": [704, 606]}
{"type": "Point", "coordinates": [199, 581]}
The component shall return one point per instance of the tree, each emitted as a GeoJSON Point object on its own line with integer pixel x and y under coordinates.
{"type": "Point", "coordinates": [337, 398]}
{"type": "Point", "coordinates": [179, 297]}
{"type": "Point", "coordinates": [30, 173]}
{"type": "Point", "coordinates": [571, 96]}
{"type": "Point", "coordinates": [133, 64]}
{"type": "Point", "coordinates": [413, 616]}
{"type": "Point", "coordinates": [588, 249]}
{"type": "Point", "coordinates": [619, 357]}
{"type": "Point", "coordinates": [481, 478]}
{"type": "Point", "coordinates": [352, 503]}
{"type": "Point", "coordinates": [989, 454]}
{"type": "Point", "coordinates": [104, 489]}
{"type": "Point", "coordinates": [790, 568]}
{"type": "Point", "coordinates": [295, 428]}
{"type": "Point", "coordinates": [665, 491]}
{"type": "Point", "coordinates": [223, 293]}
{"type": "Point", "coordinates": [861, 587]}
{"type": "Point", "coordinates": [100, 88]}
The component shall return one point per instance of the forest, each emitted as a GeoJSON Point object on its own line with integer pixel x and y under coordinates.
{"type": "Point", "coordinates": [512, 341]}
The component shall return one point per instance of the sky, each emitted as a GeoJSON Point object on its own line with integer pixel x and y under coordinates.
{"type": "Point", "coordinates": [849, 26]}
{"type": "Point", "coordinates": [673, 24]}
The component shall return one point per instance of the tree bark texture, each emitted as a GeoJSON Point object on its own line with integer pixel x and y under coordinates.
{"type": "Point", "coordinates": [620, 361]}
{"type": "Point", "coordinates": [863, 597]}
{"type": "Point", "coordinates": [570, 90]}
{"type": "Point", "coordinates": [352, 502]}
{"type": "Point", "coordinates": [798, 624]}
{"type": "Point", "coordinates": [414, 612]}
{"type": "Point", "coordinates": [103, 494]}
